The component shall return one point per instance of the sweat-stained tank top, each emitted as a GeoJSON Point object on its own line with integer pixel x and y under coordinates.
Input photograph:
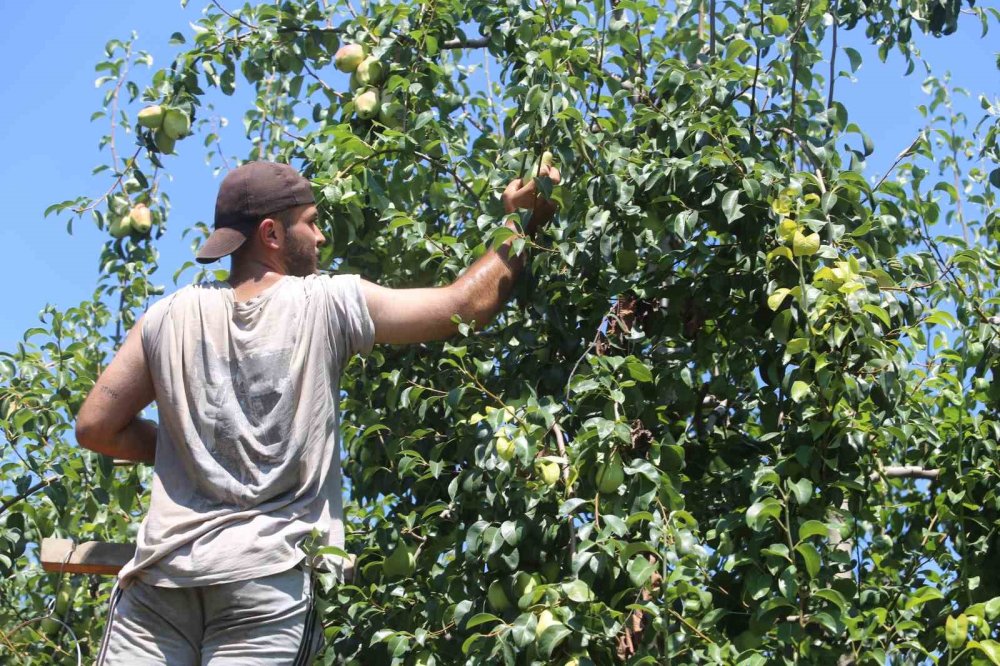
{"type": "Point", "coordinates": [247, 450]}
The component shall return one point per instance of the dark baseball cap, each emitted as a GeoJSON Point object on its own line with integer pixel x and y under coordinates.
{"type": "Point", "coordinates": [248, 194]}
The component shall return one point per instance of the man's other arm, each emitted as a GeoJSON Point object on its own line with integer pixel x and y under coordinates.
{"type": "Point", "coordinates": [422, 315]}
{"type": "Point", "coordinates": [108, 421]}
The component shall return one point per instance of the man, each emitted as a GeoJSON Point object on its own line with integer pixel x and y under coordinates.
{"type": "Point", "coordinates": [245, 375]}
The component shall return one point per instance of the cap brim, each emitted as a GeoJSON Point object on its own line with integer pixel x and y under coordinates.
{"type": "Point", "coordinates": [222, 242]}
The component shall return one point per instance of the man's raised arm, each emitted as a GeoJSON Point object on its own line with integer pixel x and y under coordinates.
{"type": "Point", "coordinates": [421, 315]}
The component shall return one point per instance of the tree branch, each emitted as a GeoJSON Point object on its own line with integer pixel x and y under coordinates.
{"type": "Point", "coordinates": [906, 472]}
{"type": "Point", "coordinates": [29, 492]}
{"type": "Point", "coordinates": [457, 43]}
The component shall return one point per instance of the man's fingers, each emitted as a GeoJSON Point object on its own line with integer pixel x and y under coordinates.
{"type": "Point", "coordinates": [553, 174]}
{"type": "Point", "coordinates": [512, 187]}
{"type": "Point", "coordinates": [525, 194]}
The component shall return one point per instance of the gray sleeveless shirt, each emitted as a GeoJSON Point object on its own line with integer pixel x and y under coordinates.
{"type": "Point", "coordinates": [247, 450]}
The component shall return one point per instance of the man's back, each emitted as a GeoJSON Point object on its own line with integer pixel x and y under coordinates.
{"type": "Point", "coordinates": [247, 447]}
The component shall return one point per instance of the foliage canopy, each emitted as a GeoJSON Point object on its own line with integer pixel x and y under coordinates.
{"type": "Point", "coordinates": [793, 363]}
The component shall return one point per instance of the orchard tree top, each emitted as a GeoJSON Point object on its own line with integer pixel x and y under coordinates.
{"type": "Point", "coordinates": [742, 410]}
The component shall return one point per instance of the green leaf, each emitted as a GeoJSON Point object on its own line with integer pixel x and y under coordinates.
{"type": "Point", "coordinates": [762, 510]}
{"type": "Point", "coordinates": [878, 312]}
{"type": "Point", "coordinates": [854, 57]}
{"type": "Point", "coordinates": [800, 391]}
{"type": "Point", "coordinates": [775, 300]}
{"type": "Point", "coordinates": [813, 528]}
{"type": "Point", "coordinates": [577, 590]}
{"type": "Point", "coordinates": [638, 370]}
{"type": "Point", "coordinates": [780, 251]}
{"type": "Point", "coordinates": [990, 648]}
{"type": "Point", "coordinates": [993, 608]}
{"type": "Point", "coordinates": [730, 206]}
{"type": "Point", "coordinates": [922, 596]}
{"type": "Point", "coordinates": [551, 638]}
{"type": "Point", "coordinates": [467, 644]}
{"type": "Point", "coordinates": [995, 177]}
{"type": "Point", "coordinates": [803, 490]}
{"type": "Point", "coordinates": [811, 558]}
{"type": "Point", "coordinates": [481, 618]}
{"type": "Point", "coordinates": [640, 570]}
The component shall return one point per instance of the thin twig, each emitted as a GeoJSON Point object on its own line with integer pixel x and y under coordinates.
{"type": "Point", "coordinates": [29, 492]}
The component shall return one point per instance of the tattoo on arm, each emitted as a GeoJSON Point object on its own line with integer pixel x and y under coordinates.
{"type": "Point", "coordinates": [110, 392]}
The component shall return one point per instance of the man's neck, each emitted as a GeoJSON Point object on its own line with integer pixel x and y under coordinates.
{"type": "Point", "coordinates": [250, 279]}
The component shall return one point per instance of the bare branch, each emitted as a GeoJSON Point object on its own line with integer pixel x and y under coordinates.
{"type": "Point", "coordinates": [457, 43]}
{"type": "Point", "coordinates": [906, 472]}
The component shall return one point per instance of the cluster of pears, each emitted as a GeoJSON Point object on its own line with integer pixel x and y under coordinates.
{"type": "Point", "coordinates": [138, 220]}
{"type": "Point", "coordinates": [609, 474]}
{"type": "Point", "coordinates": [168, 125]}
{"type": "Point", "coordinates": [367, 74]}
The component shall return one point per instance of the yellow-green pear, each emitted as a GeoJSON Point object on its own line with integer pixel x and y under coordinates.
{"type": "Point", "coordinates": [505, 447]}
{"type": "Point", "coordinates": [552, 570]}
{"type": "Point", "coordinates": [120, 227]}
{"type": "Point", "coordinates": [366, 104]}
{"type": "Point", "coordinates": [151, 117]}
{"type": "Point", "coordinates": [545, 620]}
{"type": "Point", "coordinates": [391, 112]}
{"type": "Point", "coordinates": [400, 563]}
{"type": "Point", "coordinates": [610, 475]}
{"type": "Point", "coordinates": [370, 71]}
{"type": "Point", "coordinates": [544, 161]}
{"type": "Point", "coordinates": [164, 143]}
{"type": "Point", "coordinates": [348, 57]}
{"type": "Point", "coordinates": [497, 597]}
{"type": "Point", "coordinates": [549, 472]}
{"type": "Point", "coordinates": [525, 584]}
{"type": "Point", "coordinates": [176, 123]}
{"type": "Point", "coordinates": [141, 219]}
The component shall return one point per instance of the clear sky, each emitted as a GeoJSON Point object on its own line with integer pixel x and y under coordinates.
{"type": "Point", "coordinates": [48, 90]}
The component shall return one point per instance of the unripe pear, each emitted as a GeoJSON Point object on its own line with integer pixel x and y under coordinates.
{"type": "Point", "coordinates": [497, 597]}
{"type": "Point", "coordinates": [348, 57]}
{"type": "Point", "coordinates": [552, 571]}
{"type": "Point", "coordinates": [120, 227]}
{"type": "Point", "coordinates": [370, 71]}
{"type": "Point", "coordinates": [63, 600]}
{"type": "Point", "coordinates": [536, 170]}
{"type": "Point", "coordinates": [525, 584]}
{"type": "Point", "coordinates": [141, 219]}
{"type": "Point", "coordinates": [505, 447]}
{"type": "Point", "coordinates": [366, 104]}
{"type": "Point", "coordinates": [176, 123]}
{"type": "Point", "coordinates": [549, 472]}
{"type": "Point", "coordinates": [151, 117]}
{"type": "Point", "coordinates": [545, 620]}
{"type": "Point", "coordinates": [164, 143]}
{"type": "Point", "coordinates": [400, 563]}
{"type": "Point", "coordinates": [610, 475]}
{"type": "Point", "coordinates": [390, 113]}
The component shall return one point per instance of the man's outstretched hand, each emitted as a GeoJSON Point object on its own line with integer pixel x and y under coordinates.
{"type": "Point", "coordinates": [527, 196]}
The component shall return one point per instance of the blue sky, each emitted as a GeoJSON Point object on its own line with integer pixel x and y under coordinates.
{"type": "Point", "coordinates": [49, 94]}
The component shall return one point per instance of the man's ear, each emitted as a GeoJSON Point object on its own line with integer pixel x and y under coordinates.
{"type": "Point", "coordinates": [271, 233]}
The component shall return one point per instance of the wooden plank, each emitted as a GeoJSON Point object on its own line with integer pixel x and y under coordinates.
{"type": "Point", "coordinates": [107, 559]}
{"type": "Point", "coordinates": [90, 557]}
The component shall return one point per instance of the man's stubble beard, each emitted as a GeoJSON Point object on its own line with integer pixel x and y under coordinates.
{"type": "Point", "coordinates": [301, 259]}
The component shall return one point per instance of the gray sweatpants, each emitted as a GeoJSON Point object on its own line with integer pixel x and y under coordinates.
{"type": "Point", "coordinates": [269, 620]}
